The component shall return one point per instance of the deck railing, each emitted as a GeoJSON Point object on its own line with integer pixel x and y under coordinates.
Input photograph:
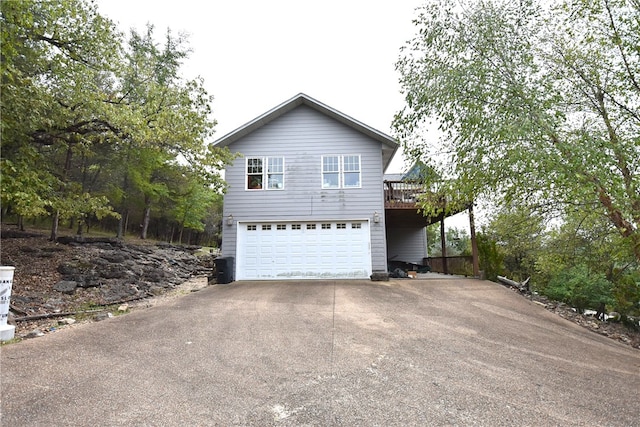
{"type": "Point", "coordinates": [402, 195]}
{"type": "Point", "coordinates": [461, 265]}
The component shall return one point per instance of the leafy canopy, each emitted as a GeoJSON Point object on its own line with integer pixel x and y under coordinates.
{"type": "Point", "coordinates": [90, 122]}
{"type": "Point", "coordinates": [536, 104]}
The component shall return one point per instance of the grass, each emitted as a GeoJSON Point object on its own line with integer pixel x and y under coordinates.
{"type": "Point", "coordinates": [11, 341]}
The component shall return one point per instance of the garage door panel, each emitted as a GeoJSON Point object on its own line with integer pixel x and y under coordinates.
{"type": "Point", "coordinates": [328, 249]}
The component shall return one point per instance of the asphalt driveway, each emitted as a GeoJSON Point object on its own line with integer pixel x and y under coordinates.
{"type": "Point", "coordinates": [440, 351]}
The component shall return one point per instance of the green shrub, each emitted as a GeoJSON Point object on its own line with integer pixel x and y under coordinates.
{"type": "Point", "coordinates": [491, 257]}
{"type": "Point", "coordinates": [581, 288]}
{"type": "Point", "coordinates": [626, 294]}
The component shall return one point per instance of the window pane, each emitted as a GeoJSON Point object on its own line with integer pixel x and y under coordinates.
{"type": "Point", "coordinates": [330, 164]}
{"type": "Point", "coordinates": [330, 180]}
{"type": "Point", "coordinates": [352, 163]}
{"type": "Point", "coordinates": [254, 182]}
{"type": "Point", "coordinates": [275, 165]}
{"type": "Point", "coordinates": [275, 181]}
{"type": "Point", "coordinates": [254, 173]}
{"type": "Point", "coordinates": [275, 173]}
{"type": "Point", "coordinates": [352, 179]}
{"type": "Point", "coordinates": [254, 165]}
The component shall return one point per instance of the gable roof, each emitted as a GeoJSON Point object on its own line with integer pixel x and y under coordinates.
{"type": "Point", "coordinates": [418, 172]}
{"type": "Point", "coordinates": [389, 145]}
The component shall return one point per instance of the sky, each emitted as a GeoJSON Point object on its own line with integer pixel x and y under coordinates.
{"type": "Point", "coordinates": [255, 54]}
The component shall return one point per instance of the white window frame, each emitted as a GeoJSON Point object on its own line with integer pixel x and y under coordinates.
{"type": "Point", "coordinates": [350, 171]}
{"type": "Point", "coordinates": [340, 172]}
{"type": "Point", "coordinates": [265, 174]}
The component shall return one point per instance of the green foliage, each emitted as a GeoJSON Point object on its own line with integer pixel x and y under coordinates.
{"type": "Point", "coordinates": [491, 256]}
{"type": "Point", "coordinates": [536, 104]}
{"type": "Point", "coordinates": [90, 123]}
{"type": "Point", "coordinates": [56, 58]}
{"type": "Point", "coordinates": [458, 241]}
{"type": "Point", "coordinates": [519, 233]}
{"type": "Point", "coordinates": [580, 287]}
{"type": "Point", "coordinates": [626, 294]}
{"type": "Point", "coordinates": [25, 189]}
{"type": "Point", "coordinates": [192, 206]}
{"type": "Point", "coordinates": [587, 239]}
{"type": "Point", "coordinates": [521, 243]}
{"type": "Point", "coordinates": [169, 121]}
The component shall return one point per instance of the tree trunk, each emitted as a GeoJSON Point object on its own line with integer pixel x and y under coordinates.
{"type": "Point", "coordinates": [124, 214]}
{"type": "Point", "coordinates": [145, 223]}
{"type": "Point", "coordinates": [119, 233]}
{"type": "Point", "coordinates": [522, 287]}
{"type": "Point", "coordinates": [123, 223]}
{"type": "Point", "coordinates": [65, 174]}
{"type": "Point", "coordinates": [145, 218]}
{"type": "Point", "coordinates": [54, 226]}
{"type": "Point", "coordinates": [180, 236]}
{"type": "Point", "coordinates": [443, 246]}
{"type": "Point", "coordinates": [126, 222]}
{"type": "Point", "coordinates": [474, 242]}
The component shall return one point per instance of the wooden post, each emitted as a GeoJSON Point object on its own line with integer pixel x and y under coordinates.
{"type": "Point", "coordinates": [474, 243]}
{"type": "Point", "coordinates": [443, 245]}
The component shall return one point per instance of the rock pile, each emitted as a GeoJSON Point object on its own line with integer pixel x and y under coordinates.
{"type": "Point", "coordinates": [125, 272]}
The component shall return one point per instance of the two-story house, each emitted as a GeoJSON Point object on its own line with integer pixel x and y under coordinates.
{"type": "Point", "coordinates": [306, 200]}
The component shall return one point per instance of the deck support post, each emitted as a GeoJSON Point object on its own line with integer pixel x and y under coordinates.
{"type": "Point", "coordinates": [443, 245]}
{"type": "Point", "coordinates": [474, 243]}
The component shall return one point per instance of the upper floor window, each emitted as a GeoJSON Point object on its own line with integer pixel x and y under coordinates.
{"type": "Point", "coordinates": [341, 171]}
{"type": "Point", "coordinates": [351, 171]}
{"type": "Point", "coordinates": [255, 174]}
{"type": "Point", "coordinates": [265, 173]}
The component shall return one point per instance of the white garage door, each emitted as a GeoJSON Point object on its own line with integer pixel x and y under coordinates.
{"type": "Point", "coordinates": [303, 250]}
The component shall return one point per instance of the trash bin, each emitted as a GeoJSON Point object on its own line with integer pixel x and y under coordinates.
{"type": "Point", "coordinates": [224, 270]}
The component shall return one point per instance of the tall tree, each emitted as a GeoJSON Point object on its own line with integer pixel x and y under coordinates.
{"type": "Point", "coordinates": [193, 199]}
{"type": "Point", "coordinates": [520, 234]}
{"type": "Point", "coordinates": [56, 60]}
{"type": "Point", "coordinates": [539, 104]}
{"type": "Point", "coordinates": [88, 123]}
{"type": "Point", "coordinates": [170, 121]}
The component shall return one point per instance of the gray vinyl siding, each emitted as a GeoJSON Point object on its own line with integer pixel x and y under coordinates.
{"type": "Point", "coordinates": [407, 244]}
{"type": "Point", "coordinates": [302, 136]}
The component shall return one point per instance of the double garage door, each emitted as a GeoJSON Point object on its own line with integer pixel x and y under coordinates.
{"type": "Point", "coordinates": [303, 250]}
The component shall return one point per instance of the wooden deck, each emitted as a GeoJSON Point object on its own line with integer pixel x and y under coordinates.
{"type": "Point", "coordinates": [402, 195]}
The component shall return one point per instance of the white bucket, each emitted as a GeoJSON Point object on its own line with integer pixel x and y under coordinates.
{"type": "Point", "coordinates": [6, 282]}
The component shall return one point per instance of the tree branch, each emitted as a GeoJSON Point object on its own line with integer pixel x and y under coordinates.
{"type": "Point", "coordinates": [619, 45]}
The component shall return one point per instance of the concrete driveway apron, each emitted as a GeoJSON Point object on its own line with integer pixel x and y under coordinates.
{"type": "Point", "coordinates": [441, 351]}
